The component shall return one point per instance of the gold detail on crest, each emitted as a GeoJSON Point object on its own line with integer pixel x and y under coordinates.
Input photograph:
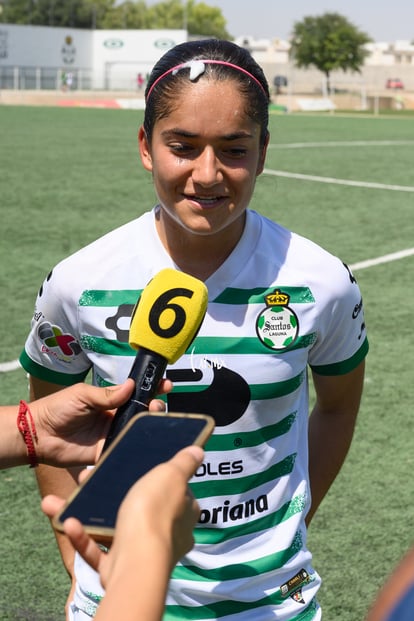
{"type": "Point", "coordinates": [277, 298]}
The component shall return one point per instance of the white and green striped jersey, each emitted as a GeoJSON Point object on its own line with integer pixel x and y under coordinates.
{"type": "Point", "coordinates": [278, 306]}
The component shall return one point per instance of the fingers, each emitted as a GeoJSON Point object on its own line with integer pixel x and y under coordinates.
{"type": "Point", "coordinates": [156, 405]}
{"type": "Point", "coordinates": [164, 387]}
{"type": "Point", "coordinates": [86, 546]}
{"type": "Point", "coordinates": [83, 475]}
{"type": "Point", "coordinates": [114, 396]}
{"type": "Point", "coordinates": [51, 505]}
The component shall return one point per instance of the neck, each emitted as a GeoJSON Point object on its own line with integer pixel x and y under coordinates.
{"type": "Point", "coordinates": [199, 255]}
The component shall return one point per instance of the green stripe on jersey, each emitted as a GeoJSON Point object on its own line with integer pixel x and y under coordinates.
{"type": "Point", "coordinates": [232, 607]}
{"type": "Point", "coordinates": [257, 391]}
{"type": "Point", "coordinates": [297, 295]}
{"type": "Point", "coordinates": [63, 379]}
{"type": "Point", "coordinates": [109, 347]}
{"type": "Point", "coordinates": [201, 346]}
{"type": "Point", "coordinates": [244, 439]}
{"type": "Point", "coordinates": [241, 485]}
{"type": "Point", "coordinates": [207, 535]}
{"type": "Point", "coordinates": [251, 568]}
{"type": "Point", "coordinates": [242, 345]}
{"type": "Point", "coordinates": [104, 298]}
{"type": "Point", "coordinates": [340, 368]}
{"type": "Point", "coordinates": [115, 297]}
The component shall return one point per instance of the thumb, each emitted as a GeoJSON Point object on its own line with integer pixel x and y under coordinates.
{"type": "Point", "coordinates": [188, 460]}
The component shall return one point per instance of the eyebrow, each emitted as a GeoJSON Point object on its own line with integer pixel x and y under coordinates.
{"type": "Point", "coordinates": [177, 131]}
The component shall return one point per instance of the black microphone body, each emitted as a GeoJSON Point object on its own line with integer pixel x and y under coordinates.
{"type": "Point", "coordinates": [147, 371]}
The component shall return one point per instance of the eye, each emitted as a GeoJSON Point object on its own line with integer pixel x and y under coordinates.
{"type": "Point", "coordinates": [236, 152]}
{"type": "Point", "coordinates": [180, 148]}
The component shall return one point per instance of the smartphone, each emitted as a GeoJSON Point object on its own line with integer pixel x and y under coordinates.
{"type": "Point", "coordinates": [147, 440]}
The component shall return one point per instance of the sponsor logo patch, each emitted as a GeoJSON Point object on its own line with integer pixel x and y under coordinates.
{"type": "Point", "coordinates": [55, 342]}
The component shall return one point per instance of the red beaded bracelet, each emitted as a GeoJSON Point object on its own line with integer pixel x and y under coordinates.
{"type": "Point", "coordinates": [26, 426]}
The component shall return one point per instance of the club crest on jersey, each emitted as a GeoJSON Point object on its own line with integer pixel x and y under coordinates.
{"type": "Point", "coordinates": [277, 326]}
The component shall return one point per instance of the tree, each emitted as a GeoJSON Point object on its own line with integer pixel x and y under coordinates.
{"type": "Point", "coordinates": [206, 20]}
{"type": "Point", "coordinates": [328, 42]}
{"type": "Point", "coordinates": [128, 15]}
{"type": "Point", "coordinates": [199, 19]}
{"type": "Point", "coordinates": [64, 13]}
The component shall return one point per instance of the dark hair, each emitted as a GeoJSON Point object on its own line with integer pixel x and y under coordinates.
{"type": "Point", "coordinates": [161, 96]}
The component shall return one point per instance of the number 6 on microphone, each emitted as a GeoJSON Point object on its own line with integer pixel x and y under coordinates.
{"type": "Point", "coordinates": [168, 314]}
{"type": "Point", "coordinates": [164, 323]}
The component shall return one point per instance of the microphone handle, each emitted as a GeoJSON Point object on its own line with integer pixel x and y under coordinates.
{"type": "Point", "coordinates": [147, 372]}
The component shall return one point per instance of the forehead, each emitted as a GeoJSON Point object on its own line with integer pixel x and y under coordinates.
{"type": "Point", "coordinates": [208, 105]}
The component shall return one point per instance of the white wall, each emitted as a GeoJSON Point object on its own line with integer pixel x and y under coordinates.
{"type": "Point", "coordinates": [112, 57]}
{"type": "Point", "coordinates": [41, 46]}
{"type": "Point", "coordinates": [118, 55]}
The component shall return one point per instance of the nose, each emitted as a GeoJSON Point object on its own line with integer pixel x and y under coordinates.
{"type": "Point", "coordinates": [207, 168]}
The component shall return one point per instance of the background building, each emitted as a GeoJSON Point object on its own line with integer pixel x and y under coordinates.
{"type": "Point", "coordinates": [40, 57]}
{"type": "Point", "coordinates": [68, 60]}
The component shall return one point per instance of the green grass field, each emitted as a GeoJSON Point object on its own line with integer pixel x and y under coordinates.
{"type": "Point", "coordinates": [69, 175]}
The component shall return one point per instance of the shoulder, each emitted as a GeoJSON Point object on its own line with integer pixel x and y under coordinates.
{"type": "Point", "coordinates": [299, 258]}
{"type": "Point", "coordinates": [106, 253]}
{"type": "Point", "coordinates": [105, 263]}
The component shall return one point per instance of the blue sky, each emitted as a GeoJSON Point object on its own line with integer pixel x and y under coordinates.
{"type": "Point", "coordinates": [382, 20]}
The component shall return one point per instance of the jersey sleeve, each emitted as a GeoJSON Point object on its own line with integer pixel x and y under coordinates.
{"type": "Point", "coordinates": [342, 341]}
{"type": "Point", "coordinates": [53, 350]}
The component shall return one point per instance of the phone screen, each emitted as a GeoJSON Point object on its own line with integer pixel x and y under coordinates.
{"type": "Point", "coordinates": [146, 441]}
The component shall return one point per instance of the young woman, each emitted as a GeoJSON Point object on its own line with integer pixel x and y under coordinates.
{"type": "Point", "coordinates": [280, 307]}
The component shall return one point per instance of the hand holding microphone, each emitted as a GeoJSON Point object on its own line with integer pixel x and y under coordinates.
{"type": "Point", "coordinates": [165, 321]}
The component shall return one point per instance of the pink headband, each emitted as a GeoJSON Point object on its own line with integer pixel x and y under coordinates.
{"type": "Point", "coordinates": [197, 67]}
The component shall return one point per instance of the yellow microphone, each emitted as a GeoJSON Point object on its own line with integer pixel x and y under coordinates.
{"type": "Point", "coordinates": [165, 321]}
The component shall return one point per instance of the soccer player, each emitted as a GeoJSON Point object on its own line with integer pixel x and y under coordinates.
{"type": "Point", "coordinates": [281, 310]}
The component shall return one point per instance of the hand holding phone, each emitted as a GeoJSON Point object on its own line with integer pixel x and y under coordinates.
{"type": "Point", "coordinates": [147, 440]}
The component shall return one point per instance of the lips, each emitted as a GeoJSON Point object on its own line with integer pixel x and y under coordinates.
{"type": "Point", "coordinates": [206, 201]}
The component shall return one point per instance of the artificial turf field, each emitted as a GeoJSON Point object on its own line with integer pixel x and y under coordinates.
{"type": "Point", "coordinates": [347, 182]}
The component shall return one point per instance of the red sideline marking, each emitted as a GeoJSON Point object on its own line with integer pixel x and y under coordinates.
{"type": "Point", "coordinates": [90, 103]}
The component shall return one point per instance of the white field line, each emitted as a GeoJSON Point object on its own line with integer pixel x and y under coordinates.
{"type": "Point", "coordinates": [342, 143]}
{"type": "Point", "coordinates": [335, 144]}
{"type": "Point", "coordinates": [386, 258]}
{"type": "Point", "coordinates": [13, 365]}
{"type": "Point", "coordinates": [334, 180]}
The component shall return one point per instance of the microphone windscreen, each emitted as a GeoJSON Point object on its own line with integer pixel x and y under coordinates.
{"type": "Point", "coordinates": [168, 314]}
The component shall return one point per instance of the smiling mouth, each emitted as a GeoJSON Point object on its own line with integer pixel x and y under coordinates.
{"type": "Point", "coordinates": [206, 201]}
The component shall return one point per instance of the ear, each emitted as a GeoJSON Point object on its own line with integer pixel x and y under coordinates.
{"type": "Point", "coordinates": [262, 157]}
{"type": "Point", "coordinates": [144, 149]}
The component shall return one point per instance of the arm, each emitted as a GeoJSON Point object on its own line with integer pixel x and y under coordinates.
{"type": "Point", "coordinates": [331, 428]}
{"type": "Point", "coordinates": [59, 420]}
{"type": "Point", "coordinates": [70, 426]}
{"type": "Point", "coordinates": [55, 480]}
{"type": "Point", "coordinates": [154, 529]}
{"type": "Point", "coordinates": [13, 451]}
